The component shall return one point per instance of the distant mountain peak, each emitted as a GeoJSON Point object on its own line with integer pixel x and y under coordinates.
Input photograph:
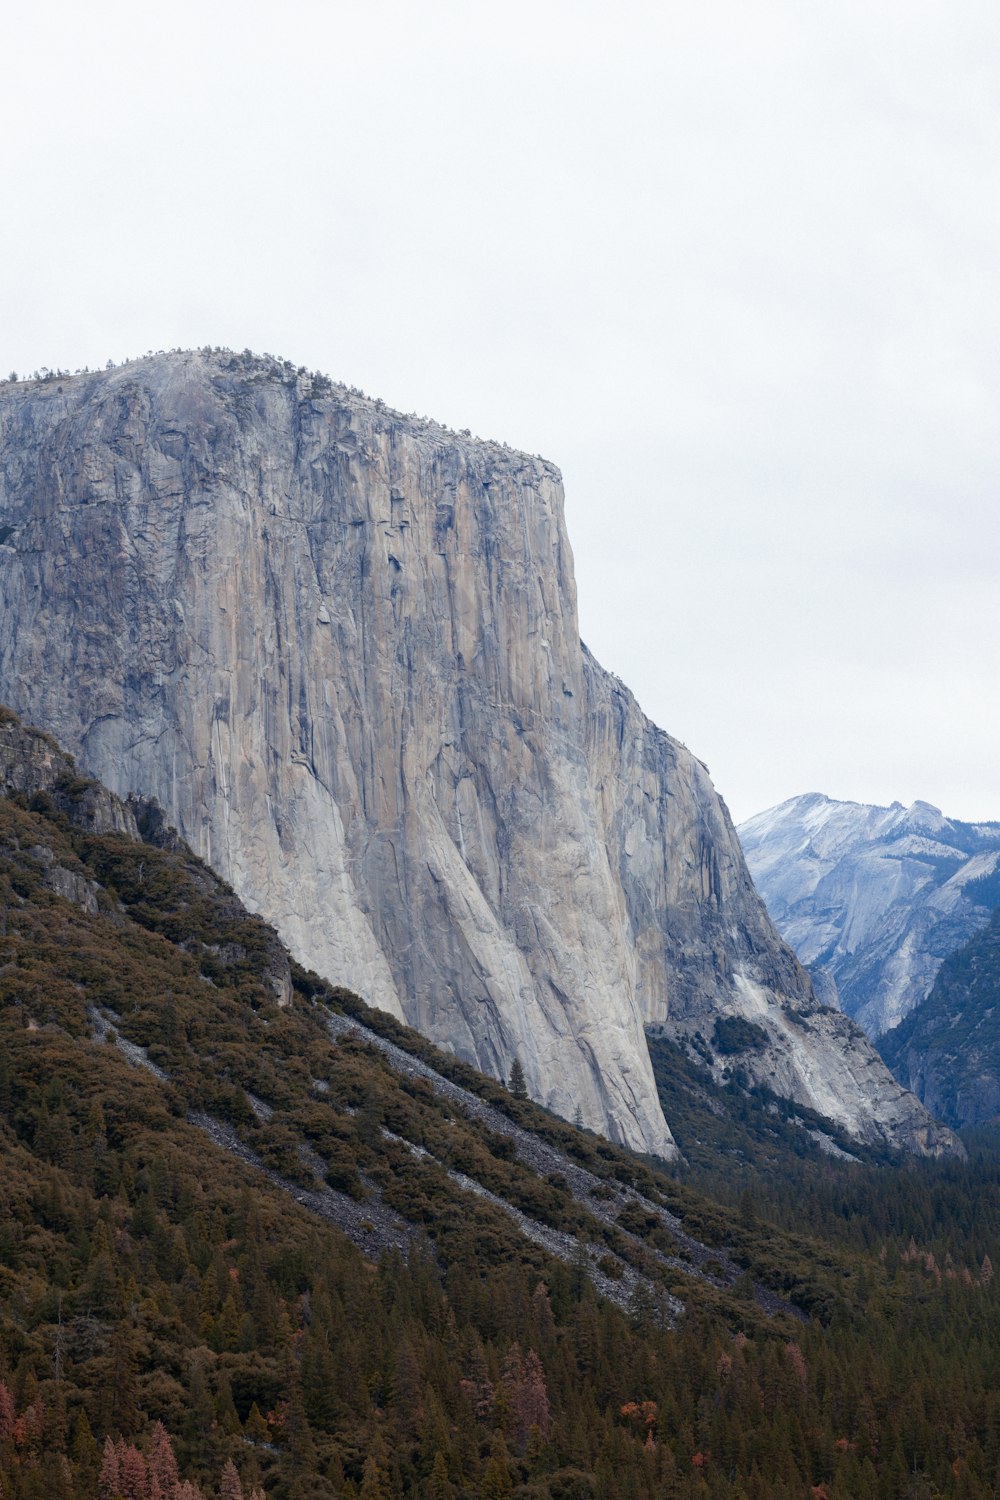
{"type": "Point", "coordinates": [871, 898]}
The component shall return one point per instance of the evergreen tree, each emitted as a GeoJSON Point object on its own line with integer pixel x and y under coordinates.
{"type": "Point", "coordinates": [319, 1381]}
{"type": "Point", "coordinates": [496, 1482]}
{"type": "Point", "coordinates": [109, 1481]}
{"type": "Point", "coordinates": [162, 1463]}
{"type": "Point", "coordinates": [123, 1380]}
{"type": "Point", "coordinates": [532, 1401]}
{"type": "Point", "coordinates": [255, 1429]}
{"type": "Point", "coordinates": [8, 1412]}
{"type": "Point", "coordinates": [132, 1471]}
{"type": "Point", "coordinates": [300, 1439]}
{"type": "Point", "coordinates": [517, 1085]}
{"type": "Point", "coordinates": [376, 1483]}
{"type": "Point", "coordinates": [438, 1485]}
{"type": "Point", "coordinates": [84, 1452]}
{"type": "Point", "coordinates": [230, 1487]}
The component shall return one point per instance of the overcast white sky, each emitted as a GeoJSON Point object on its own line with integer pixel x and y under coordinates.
{"type": "Point", "coordinates": [735, 267]}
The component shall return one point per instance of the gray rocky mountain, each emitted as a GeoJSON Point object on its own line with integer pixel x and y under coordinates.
{"type": "Point", "coordinates": [340, 648]}
{"type": "Point", "coordinates": [948, 1048]}
{"type": "Point", "coordinates": [872, 898]}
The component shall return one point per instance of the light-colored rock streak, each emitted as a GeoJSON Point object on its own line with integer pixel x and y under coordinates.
{"type": "Point", "coordinates": [340, 647]}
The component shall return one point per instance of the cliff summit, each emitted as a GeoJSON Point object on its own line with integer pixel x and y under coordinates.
{"type": "Point", "coordinates": [340, 648]}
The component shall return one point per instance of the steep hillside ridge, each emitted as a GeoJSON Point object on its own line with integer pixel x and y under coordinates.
{"type": "Point", "coordinates": [179, 1152]}
{"type": "Point", "coordinates": [120, 959]}
{"type": "Point", "coordinates": [340, 647]}
{"type": "Point", "coordinates": [872, 898]}
{"type": "Point", "coordinates": [947, 1050]}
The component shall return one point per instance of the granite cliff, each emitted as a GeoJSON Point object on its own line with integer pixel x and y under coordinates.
{"type": "Point", "coordinates": [947, 1049]}
{"type": "Point", "coordinates": [873, 898]}
{"type": "Point", "coordinates": [339, 647]}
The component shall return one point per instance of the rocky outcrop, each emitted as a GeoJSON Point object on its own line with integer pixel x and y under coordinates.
{"type": "Point", "coordinates": [873, 898]}
{"type": "Point", "coordinates": [37, 772]}
{"type": "Point", "coordinates": [340, 647]}
{"type": "Point", "coordinates": [33, 765]}
{"type": "Point", "coordinates": [948, 1048]}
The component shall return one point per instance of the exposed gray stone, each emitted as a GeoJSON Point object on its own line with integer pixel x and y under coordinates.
{"type": "Point", "coordinates": [340, 648]}
{"type": "Point", "coordinates": [32, 764]}
{"type": "Point", "coordinates": [872, 898]}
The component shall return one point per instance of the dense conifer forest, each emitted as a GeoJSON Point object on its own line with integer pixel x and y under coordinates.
{"type": "Point", "coordinates": [180, 1315]}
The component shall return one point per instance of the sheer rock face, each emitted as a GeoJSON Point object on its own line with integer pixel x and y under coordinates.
{"type": "Point", "coordinates": [948, 1048]}
{"type": "Point", "coordinates": [340, 648]}
{"type": "Point", "coordinates": [872, 898]}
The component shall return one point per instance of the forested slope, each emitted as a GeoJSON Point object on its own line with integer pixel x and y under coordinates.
{"type": "Point", "coordinates": [323, 1272]}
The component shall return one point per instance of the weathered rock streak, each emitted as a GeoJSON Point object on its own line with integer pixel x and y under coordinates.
{"type": "Point", "coordinates": [340, 647]}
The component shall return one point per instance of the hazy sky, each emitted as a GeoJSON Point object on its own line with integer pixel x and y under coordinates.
{"type": "Point", "coordinates": [734, 267]}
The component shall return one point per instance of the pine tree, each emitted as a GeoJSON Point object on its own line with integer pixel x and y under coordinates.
{"type": "Point", "coordinates": [531, 1402]}
{"type": "Point", "coordinates": [109, 1481]}
{"type": "Point", "coordinates": [517, 1085]}
{"type": "Point", "coordinates": [84, 1452]}
{"type": "Point", "coordinates": [496, 1482]}
{"type": "Point", "coordinates": [123, 1380]}
{"type": "Point", "coordinates": [376, 1483]}
{"type": "Point", "coordinates": [199, 1417]}
{"type": "Point", "coordinates": [318, 1377]}
{"type": "Point", "coordinates": [132, 1471]}
{"type": "Point", "coordinates": [225, 1408]}
{"type": "Point", "coordinates": [301, 1448]}
{"type": "Point", "coordinates": [477, 1386]}
{"type": "Point", "coordinates": [6, 1091]}
{"type": "Point", "coordinates": [230, 1487]}
{"type": "Point", "coordinates": [541, 1312]}
{"type": "Point", "coordinates": [407, 1388]}
{"type": "Point", "coordinates": [255, 1429]}
{"type": "Point", "coordinates": [438, 1486]}
{"type": "Point", "coordinates": [7, 1411]}
{"type": "Point", "coordinates": [162, 1463]}
{"type": "Point", "coordinates": [101, 1284]}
